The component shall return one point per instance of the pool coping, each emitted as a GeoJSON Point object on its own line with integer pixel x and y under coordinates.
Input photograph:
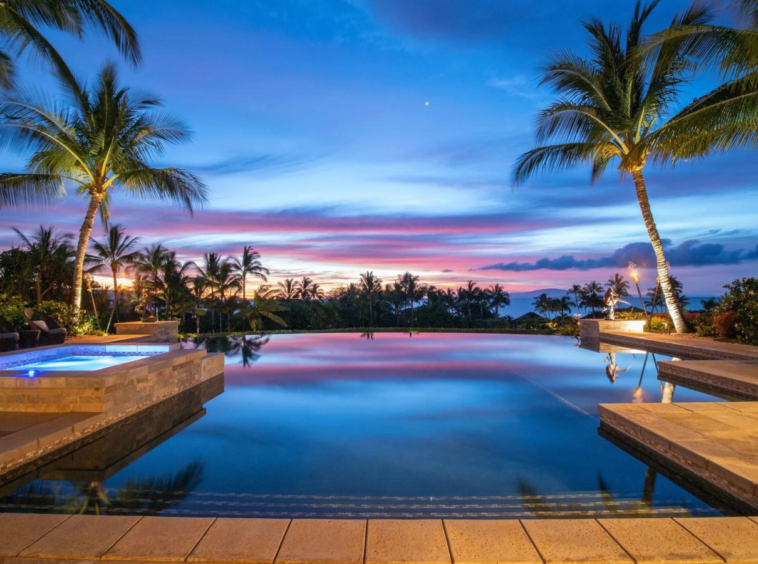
{"type": "Point", "coordinates": [705, 540]}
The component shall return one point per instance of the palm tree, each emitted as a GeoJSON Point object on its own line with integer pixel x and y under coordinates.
{"type": "Point", "coordinates": [316, 292]}
{"type": "Point", "coordinates": [150, 264]}
{"type": "Point", "coordinates": [591, 296]}
{"type": "Point", "coordinates": [19, 21]}
{"type": "Point", "coordinates": [615, 107]}
{"type": "Point", "coordinates": [102, 143]}
{"type": "Point", "coordinates": [115, 252]}
{"type": "Point", "coordinates": [541, 304]}
{"type": "Point", "coordinates": [209, 273]}
{"type": "Point", "coordinates": [470, 293]}
{"type": "Point", "coordinates": [413, 291]}
{"type": "Point", "coordinates": [197, 288]}
{"type": "Point", "coordinates": [264, 306]}
{"type": "Point", "coordinates": [576, 289]}
{"type": "Point", "coordinates": [498, 298]}
{"type": "Point", "coordinates": [48, 253]}
{"type": "Point", "coordinates": [287, 289]}
{"type": "Point", "coordinates": [618, 284]}
{"type": "Point", "coordinates": [304, 288]}
{"type": "Point", "coordinates": [371, 288]}
{"type": "Point", "coordinates": [709, 304]}
{"type": "Point", "coordinates": [250, 265]}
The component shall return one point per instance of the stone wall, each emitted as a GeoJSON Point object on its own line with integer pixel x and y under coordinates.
{"type": "Point", "coordinates": [114, 389]}
{"type": "Point", "coordinates": [158, 331]}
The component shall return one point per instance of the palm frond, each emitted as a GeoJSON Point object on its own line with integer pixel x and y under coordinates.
{"type": "Point", "coordinates": [29, 189]}
{"type": "Point", "coordinates": [553, 158]}
{"type": "Point", "coordinates": [174, 184]}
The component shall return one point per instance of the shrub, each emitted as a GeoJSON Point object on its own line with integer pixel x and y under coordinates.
{"type": "Point", "coordinates": [741, 299]}
{"type": "Point", "coordinates": [569, 328]}
{"type": "Point", "coordinates": [12, 309]}
{"type": "Point", "coordinates": [703, 325]}
{"type": "Point", "coordinates": [726, 324]}
{"type": "Point", "coordinates": [63, 313]}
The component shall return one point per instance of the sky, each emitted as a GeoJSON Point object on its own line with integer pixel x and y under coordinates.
{"type": "Point", "coordinates": [341, 136]}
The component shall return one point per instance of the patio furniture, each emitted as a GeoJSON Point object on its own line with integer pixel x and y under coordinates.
{"type": "Point", "coordinates": [8, 336]}
{"type": "Point", "coordinates": [28, 338]}
{"type": "Point", "coordinates": [51, 332]}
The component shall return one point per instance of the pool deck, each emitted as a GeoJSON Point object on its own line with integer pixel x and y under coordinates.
{"type": "Point", "coordinates": [27, 538]}
{"type": "Point", "coordinates": [711, 443]}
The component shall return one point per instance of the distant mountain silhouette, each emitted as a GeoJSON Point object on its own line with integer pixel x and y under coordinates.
{"type": "Point", "coordinates": [551, 292]}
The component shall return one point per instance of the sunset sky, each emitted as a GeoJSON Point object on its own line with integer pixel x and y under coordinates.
{"type": "Point", "coordinates": [339, 136]}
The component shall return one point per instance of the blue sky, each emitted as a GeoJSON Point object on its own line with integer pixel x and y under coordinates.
{"type": "Point", "coordinates": [339, 136]}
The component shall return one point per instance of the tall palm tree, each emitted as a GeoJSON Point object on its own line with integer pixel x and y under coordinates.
{"type": "Point", "coordinates": [250, 265]}
{"type": "Point", "coordinates": [101, 143]}
{"type": "Point", "coordinates": [116, 252]}
{"type": "Point", "coordinates": [498, 298]}
{"type": "Point", "coordinates": [20, 20]}
{"type": "Point", "coordinates": [576, 289]}
{"type": "Point", "coordinates": [288, 289]}
{"type": "Point", "coordinates": [47, 253]}
{"type": "Point", "coordinates": [619, 285]}
{"type": "Point", "coordinates": [541, 304]}
{"type": "Point", "coordinates": [614, 107]}
{"type": "Point", "coordinates": [371, 288]}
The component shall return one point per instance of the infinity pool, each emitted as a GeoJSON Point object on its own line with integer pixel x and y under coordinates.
{"type": "Point", "coordinates": [350, 425]}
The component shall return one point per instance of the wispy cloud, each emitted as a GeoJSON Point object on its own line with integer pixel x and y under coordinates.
{"type": "Point", "coordinates": [268, 164]}
{"type": "Point", "coordinates": [519, 86]}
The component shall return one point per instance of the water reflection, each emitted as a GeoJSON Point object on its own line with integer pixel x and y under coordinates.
{"type": "Point", "coordinates": [75, 483]}
{"type": "Point", "coordinates": [382, 425]}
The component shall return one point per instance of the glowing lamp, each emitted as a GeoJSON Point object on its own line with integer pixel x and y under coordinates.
{"type": "Point", "coordinates": [31, 374]}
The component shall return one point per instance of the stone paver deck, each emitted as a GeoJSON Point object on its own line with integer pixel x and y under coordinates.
{"type": "Point", "coordinates": [714, 442]}
{"type": "Point", "coordinates": [682, 346]}
{"type": "Point", "coordinates": [28, 539]}
{"type": "Point", "coordinates": [735, 378]}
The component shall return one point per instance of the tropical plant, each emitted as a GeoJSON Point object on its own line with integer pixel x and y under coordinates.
{"type": "Point", "coordinates": [102, 142]}
{"type": "Point", "coordinates": [20, 20]}
{"type": "Point", "coordinates": [709, 304]}
{"type": "Point", "coordinates": [615, 107]}
{"type": "Point", "coordinates": [116, 253]}
{"type": "Point", "coordinates": [250, 265]}
{"type": "Point", "coordinates": [740, 306]}
{"type": "Point", "coordinates": [149, 264]}
{"type": "Point", "coordinates": [264, 306]}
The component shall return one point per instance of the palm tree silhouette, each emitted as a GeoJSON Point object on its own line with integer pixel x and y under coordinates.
{"type": "Point", "coordinates": [498, 298]}
{"type": "Point", "coordinates": [103, 142]}
{"type": "Point", "coordinates": [371, 288]}
{"type": "Point", "coordinates": [614, 107]}
{"type": "Point", "coordinates": [288, 289]}
{"type": "Point", "coordinates": [263, 306]}
{"type": "Point", "coordinates": [20, 21]}
{"type": "Point", "coordinates": [250, 265]}
{"type": "Point", "coordinates": [150, 264]}
{"type": "Point", "coordinates": [116, 252]}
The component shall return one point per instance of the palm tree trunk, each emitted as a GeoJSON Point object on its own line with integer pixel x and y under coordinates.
{"type": "Point", "coordinates": [672, 304]}
{"type": "Point", "coordinates": [115, 301]}
{"type": "Point", "coordinates": [81, 250]}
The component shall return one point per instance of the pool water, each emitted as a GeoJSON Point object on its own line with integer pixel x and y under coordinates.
{"type": "Point", "coordinates": [78, 363]}
{"type": "Point", "coordinates": [392, 425]}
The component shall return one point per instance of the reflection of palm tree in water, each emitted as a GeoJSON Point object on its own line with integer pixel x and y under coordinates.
{"type": "Point", "coordinates": [247, 346]}
{"type": "Point", "coordinates": [369, 335]}
{"type": "Point", "coordinates": [142, 496]}
{"type": "Point", "coordinates": [612, 369]}
{"type": "Point", "coordinates": [540, 506]}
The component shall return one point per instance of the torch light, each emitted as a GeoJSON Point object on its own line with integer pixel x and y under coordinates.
{"type": "Point", "coordinates": [636, 278]}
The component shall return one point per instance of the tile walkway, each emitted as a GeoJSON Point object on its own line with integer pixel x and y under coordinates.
{"type": "Point", "coordinates": [44, 539]}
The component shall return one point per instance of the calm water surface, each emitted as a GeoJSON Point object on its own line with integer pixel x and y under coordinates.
{"type": "Point", "coordinates": [348, 425]}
